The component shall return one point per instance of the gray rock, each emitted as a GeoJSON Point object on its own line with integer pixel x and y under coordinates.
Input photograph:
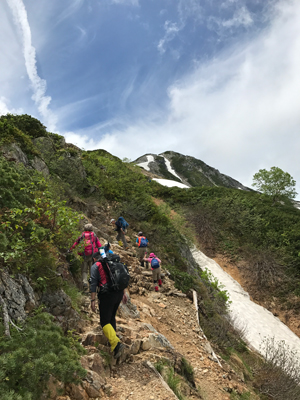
{"type": "Point", "coordinates": [159, 340]}
{"type": "Point", "coordinates": [18, 296]}
{"type": "Point", "coordinates": [59, 304]}
{"type": "Point", "coordinates": [40, 165]}
{"type": "Point", "coordinates": [12, 152]}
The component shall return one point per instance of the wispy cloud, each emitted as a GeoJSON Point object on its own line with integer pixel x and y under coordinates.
{"type": "Point", "coordinates": [38, 85]}
{"type": "Point", "coordinates": [171, 30]}
{"type": "Point", "coordinates": [241, 18]}
{"type": "Point", "coordinates": [126, 2]}
{"type": "Point", "coordinates": [73, 7]}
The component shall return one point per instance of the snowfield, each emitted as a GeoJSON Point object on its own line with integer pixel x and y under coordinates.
{"type": "Point", "coordinates": [259, 323]}
{"type": "Point", "coordinates": [169, 168]}
{"type": "Point", "coordinates": [145, 164]}
{"type": "Point", "coordinates": [169, 183]}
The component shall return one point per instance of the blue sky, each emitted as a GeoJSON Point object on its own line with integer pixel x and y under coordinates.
{"type": "Point", "coordinates": [215, 79]}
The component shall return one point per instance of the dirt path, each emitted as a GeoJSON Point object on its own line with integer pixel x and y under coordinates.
{"type": "Point", "coordinates": [171, 314]}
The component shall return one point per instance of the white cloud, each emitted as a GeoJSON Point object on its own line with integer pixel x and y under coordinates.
{"type": "Point", "coordinates": [126, 2]}
{"type": "Point", "coordinates": [5, 109]}
{"type": "Point", "coordinates": [171, 30]}
{"type": "Point", "coordinates": [38, 85]}
{"type": "Point", "coordinates": [238, 112]}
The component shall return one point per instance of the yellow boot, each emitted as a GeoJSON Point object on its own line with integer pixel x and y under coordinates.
{"type": "Point", "coordinates": [110, 333]}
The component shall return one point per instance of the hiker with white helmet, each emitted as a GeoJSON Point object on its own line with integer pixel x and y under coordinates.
{"type": "Point", "coordinates": [156, 270]}
{"type": "Point", "coordinates": [120, 226]}
{"type": "Point", "coordinates": [91, 245]}
{"type": "Point", "coordinates": [142, 243]}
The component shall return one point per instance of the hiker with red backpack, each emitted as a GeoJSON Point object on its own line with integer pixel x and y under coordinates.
{"type": "Point", "coordinates": [91, 245]}
{"type": "Point", "coordinates": [111, 291]}
{"type": "Point", "coordinates": [156, 270]}
{"type": "Point", "coordinates": [120, 226]}
{"type": "Point", "coordinates": [142, 243]}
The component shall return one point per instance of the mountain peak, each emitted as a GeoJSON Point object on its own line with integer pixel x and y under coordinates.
{"type": "Point", "coordinates": [186, 170]}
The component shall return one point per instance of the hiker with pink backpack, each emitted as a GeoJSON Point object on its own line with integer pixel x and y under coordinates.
{"type": "Point", "coordinates": [156, 269]}
{"type": "Point", "coordinates": [91, 246]}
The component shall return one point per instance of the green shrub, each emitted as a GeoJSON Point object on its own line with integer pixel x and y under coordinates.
{"type": "Point", "coordinates": [32, 355]}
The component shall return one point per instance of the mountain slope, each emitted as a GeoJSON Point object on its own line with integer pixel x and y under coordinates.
{"type": "Point", "coordinates": [187, 170]}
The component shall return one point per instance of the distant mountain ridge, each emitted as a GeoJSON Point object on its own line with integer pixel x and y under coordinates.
{"type": "Point", "coordinates": [187, 170]}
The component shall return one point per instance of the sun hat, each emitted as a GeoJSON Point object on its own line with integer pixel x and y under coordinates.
{"type": "Point", "coordinates": [88, 227]}
{"type": "Point", "coordinates": [152, 255]}
{"type": "Point", "coordinates": [140, 233]}
{"type": "Point", "coordinates": [112, 220]}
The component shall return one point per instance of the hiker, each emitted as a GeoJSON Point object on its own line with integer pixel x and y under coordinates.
{"type": "Point", "coordinates": [107, 248]}
{"type": "Point", "coordinates": [156, 269]}
{"type": "Point", "coordinates": [121, 226]}
{"type": "Point", "coordinates": [142, 243]}
{"type": "Point", "coordinates": [108, 301]}
{"type": "Point", "coordinates": [91, 245]}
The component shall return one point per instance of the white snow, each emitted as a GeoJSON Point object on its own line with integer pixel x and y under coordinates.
{"type": "Point", "coordinates": [169, 183]}
{"type": "Point", "coordinates": [170, 169]}
{"type": "Point", "coordinates": [258, 322]}
{"type": "Point", "coordinates": [145, 165]}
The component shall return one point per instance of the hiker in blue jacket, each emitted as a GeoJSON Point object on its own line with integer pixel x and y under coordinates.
{"type": "Point", "coordinates": [120, 227]}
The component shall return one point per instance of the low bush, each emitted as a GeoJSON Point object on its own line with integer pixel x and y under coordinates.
{"type": "Point", "coordinates": [31, 356]}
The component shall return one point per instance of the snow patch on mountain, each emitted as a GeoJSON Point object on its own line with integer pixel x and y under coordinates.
{"type": "Point", "coordinates": [145, 165]}
{"type": "Point", "coordinates": [169, 183]}
{"type": "Point", "coordinates": [169, 168]}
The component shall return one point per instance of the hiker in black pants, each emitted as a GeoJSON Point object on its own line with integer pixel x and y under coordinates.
{"type": "Point", "coordinates": [108, 301]}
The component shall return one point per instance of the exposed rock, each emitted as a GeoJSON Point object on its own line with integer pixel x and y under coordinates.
{"type": "Point", "coordinates": [18, 296]}
{"type": "Point", "coordinates": [135, 347]}
{"type": "Point", "coordinates": [12, 152]}
{"type": "Point", "coordinates": [59, 304]}
{"type": "Point", "coordinates": [128, 310]}
{"type": "Point", "coordinates": [159, 340]}
{"type": "Point", "coordinates": [77, 392]}
{"type": "Point", "coordinates": [94, 337]}
{"type": "Point", "coordinates": [38, 164]}
{"type": "Point", "coordinates": [45, 145]}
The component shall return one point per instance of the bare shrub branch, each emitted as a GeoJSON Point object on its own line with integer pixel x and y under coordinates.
{"type": "Point", "coordinates": [264, 270]}
{"type": "Point", "coordinates": [278, 376]}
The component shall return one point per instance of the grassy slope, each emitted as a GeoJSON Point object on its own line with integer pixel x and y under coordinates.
{"type": "Point", "coordinates": [239, 223]}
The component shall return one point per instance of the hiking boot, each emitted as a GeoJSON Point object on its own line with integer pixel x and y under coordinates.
{"type": "Point", "coordinates": [156, 288]}
{"type": "Point", "coordinates": [119, 350]}
{"type": "Point", "coordinates": [159, 282]}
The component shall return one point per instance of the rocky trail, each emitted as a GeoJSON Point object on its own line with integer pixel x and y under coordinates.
{"type": "Point", "coordinates": [159, 329]}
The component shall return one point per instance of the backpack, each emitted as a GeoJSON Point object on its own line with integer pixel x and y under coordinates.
{"type": "Point", "coordinates": [89, 243]}
{"type": "Point", "coordinates": [154, 263]}
{"type": "Point", "coordinates": [124, 224]}
{"type": "Point", "coordinates": [118, 274]}
{"type": "Point", "coordinates": [143, 242]}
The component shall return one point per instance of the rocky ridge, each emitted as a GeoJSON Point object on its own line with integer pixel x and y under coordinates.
{"type": "Point", "coordinates": [186, 169]}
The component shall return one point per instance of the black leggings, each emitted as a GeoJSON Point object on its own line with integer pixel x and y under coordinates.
{"type": "Point", "coordinates": [108, 306]}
